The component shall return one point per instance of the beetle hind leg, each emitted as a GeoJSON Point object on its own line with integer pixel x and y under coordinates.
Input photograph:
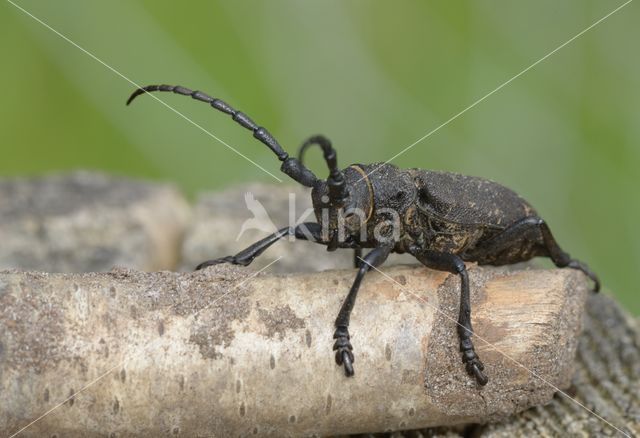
{"type": "Point", "coordinates": [581, 266]}
{"type": "Point", "coordinates": [562, 259]}
{"type": "Point", "coordinates": [524, 239]}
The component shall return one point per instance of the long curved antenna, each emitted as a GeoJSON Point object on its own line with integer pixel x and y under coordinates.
{"type": "Point", "coordinates": [337, 188]}
{"type": "Point", "coordinates": [290, 166]}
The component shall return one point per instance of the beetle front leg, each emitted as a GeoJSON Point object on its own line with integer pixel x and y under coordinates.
{"type": "Point", "coordinates": [306, 231]}
{"type": "Point", "coordinates": [342, 346]}
{"type": "Point", "coordinates": [454, 264]}
{"type": "Point", "coordinates": [357, 257]}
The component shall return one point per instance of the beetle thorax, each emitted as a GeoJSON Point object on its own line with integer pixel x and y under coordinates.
{"type": "Point", "coordinates": [373, 211]}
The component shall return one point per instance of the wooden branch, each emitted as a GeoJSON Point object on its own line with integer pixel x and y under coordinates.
{"type": "Point", "coordinates": [88, 221]}
{"type": "Point", "coordinates": [219, 353]}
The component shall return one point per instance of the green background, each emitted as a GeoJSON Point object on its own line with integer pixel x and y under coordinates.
{"type": "Point", "coordinates": [374, 76]}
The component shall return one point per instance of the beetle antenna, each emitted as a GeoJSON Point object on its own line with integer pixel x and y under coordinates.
{"type": "Point", "coordinates": [337, 187]}
{"type": "Point", "coordinates": [290, 166]}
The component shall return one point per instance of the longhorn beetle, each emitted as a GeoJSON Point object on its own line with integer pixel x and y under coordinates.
{"type": "Point", "coordinates": [445, 219]}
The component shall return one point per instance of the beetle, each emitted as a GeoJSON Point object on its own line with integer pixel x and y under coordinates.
{"type": "Point", "coordinates": [442, 219]}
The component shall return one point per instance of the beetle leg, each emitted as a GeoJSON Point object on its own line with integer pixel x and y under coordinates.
{"type": "Point", "coordinates": [357, 257]}
{"type": "Point", "coordinates": [454, 264]}
{"type": "Point", "coordinates": [562, 259]}
{"type": "Point", "coordinates": [344, 350]}
{"type": "Point", "coordinates": [533, 230]}
{"type": "Point", "coordinates": [306, 231]}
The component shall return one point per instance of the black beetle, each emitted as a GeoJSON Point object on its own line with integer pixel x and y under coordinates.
{"type": "Point", "coordinates": [442, 219]}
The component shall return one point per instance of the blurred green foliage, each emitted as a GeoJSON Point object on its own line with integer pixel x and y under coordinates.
{"type": "Point", "coordinates": [374, 76]}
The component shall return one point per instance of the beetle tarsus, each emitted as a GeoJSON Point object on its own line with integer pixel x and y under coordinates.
{"type": "Point", "coordinates": [214, 262]}
{"type": "Point", "coordinates": [472, 362]}
{"type": "Point", "coordinates": [344, 350]}
{"type": "Point", "coordinates": [581, 266]}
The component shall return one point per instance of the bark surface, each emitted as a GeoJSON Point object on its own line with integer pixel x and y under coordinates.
{"type": "Point", "coordinates": [89, 222]}
{"type": "Point", "coordinates": [221, 353]}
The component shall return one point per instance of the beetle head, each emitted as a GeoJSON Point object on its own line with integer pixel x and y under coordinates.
{"type": "Point", "coordinates": [343, 213]}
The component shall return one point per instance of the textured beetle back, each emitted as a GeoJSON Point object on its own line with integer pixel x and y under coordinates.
{"type": "Point", "coordinates": [468, 200]}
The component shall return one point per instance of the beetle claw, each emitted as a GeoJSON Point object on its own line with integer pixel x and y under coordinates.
{"type": "Point", "coordinates": [480, 376]}
{"type": "Point", "coordinates": [347, 360]}
{"type": "Point", "coordinates": [344, 356]}
{"type": "Point", "coordinates": [473, 363]}
{"type": "Point", "coordinates": [475, 368]}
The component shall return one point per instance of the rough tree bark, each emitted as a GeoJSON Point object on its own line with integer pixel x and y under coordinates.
{"type": "Point", "coordinates": [89, 222]}
{"type": "Point", "coordinates": [217, 353]}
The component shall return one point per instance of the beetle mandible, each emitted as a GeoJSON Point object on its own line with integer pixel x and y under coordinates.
{"type": "Point", "coordinates": [446, 219]}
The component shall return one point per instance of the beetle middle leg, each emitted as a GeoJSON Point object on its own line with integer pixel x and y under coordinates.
{"type": "Point", "coordinates": [306, 231]}
{"type": "Point", "coordinates": [454, 264]}
{"type": "Point", "coordinates": [343, 347]}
